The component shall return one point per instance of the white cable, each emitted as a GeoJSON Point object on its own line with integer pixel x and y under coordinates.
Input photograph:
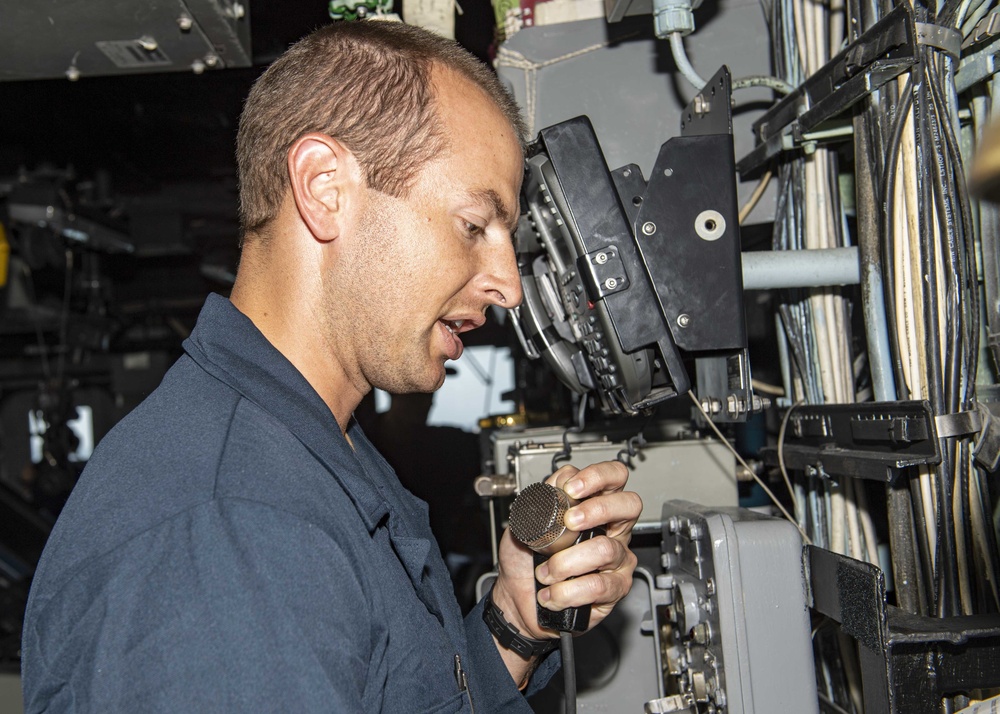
{"type": "Point", "coordinates": [754, 197]}
{"type": "Point", "coordinates": [853, 522]}
{"type": "Point", "coordinates": [962, 549]}
{"type": "Point", "coordinates": [744, 464]}
{"type": "Point", "coordinates": [682, 62]}
{"type": "Point", "coordinates": [837, 518]}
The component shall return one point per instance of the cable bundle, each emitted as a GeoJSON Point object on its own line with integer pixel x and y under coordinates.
{"type": "Point", "coordinates": [932, 300]}
{"type": "Point", "coordinates": [924, 249]}
{"type": "Point", "coordinates": [816, 323]}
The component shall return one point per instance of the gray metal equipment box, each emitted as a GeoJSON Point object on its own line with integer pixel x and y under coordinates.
{"type": "Point", "coordinates": [702, 470]}
{"type": "Point", "coordinates": [731, 613]}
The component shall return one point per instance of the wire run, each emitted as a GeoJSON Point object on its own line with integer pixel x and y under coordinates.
{"type": "Point", "coordinates": [682, 61]}
{"type": "Point", "coordinates": [744, 464]}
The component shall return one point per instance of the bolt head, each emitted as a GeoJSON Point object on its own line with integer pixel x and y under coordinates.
{"type": "Point", "coordinates": [648, 228]}
{"type": "Point", "coordinates": [611, 283]}
{"type": "Point", "coordinates": [185, 23]}
{"type": "Point", "coordinates": [601, 258]}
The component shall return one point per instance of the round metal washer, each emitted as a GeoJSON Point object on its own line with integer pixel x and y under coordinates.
{"type": "Point", "coordinates": [710, 225]}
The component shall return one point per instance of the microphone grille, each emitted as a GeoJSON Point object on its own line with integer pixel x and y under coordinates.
{"type": "Point", "coordinates": [536, 516]}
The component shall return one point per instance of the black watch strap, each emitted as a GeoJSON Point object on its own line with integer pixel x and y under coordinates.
{"type": "Point", "coordinates": [509, 636]}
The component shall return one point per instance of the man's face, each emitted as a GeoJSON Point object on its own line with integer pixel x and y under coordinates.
{"type": "Point", "coordinates": [422, 270]}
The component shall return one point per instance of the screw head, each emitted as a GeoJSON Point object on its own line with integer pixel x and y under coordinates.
{"type": "Point", "coordinates": [601, 258]}
{"type": "Point", "coordinates": [648, 228]}
{"type": "Point", "coordinates": [185, 23]}
{"type": "Point", "coordinates": [683, 320]}
{"type": "Point", "coordinates": [668, 172]}
{"type": "Point", "coordinates": [611, 283]}
{"type": "Point", "coordinates": [701, 633]}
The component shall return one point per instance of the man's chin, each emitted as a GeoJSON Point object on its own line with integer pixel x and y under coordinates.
{"type": "Point", "coordinates": [438, 381]}
{"type": "Point", "coordinates": [431, 381]}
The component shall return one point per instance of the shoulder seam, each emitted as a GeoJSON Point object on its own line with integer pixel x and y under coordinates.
{"type": "Point", "coordinates": [225, 442]}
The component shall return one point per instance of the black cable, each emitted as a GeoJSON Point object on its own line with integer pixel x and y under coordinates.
{"type": "Point", "coordinates": [633, 447]}
{"type": "Point", "coordinates": [567, 447]}
{"type": "Point", "coordinates": [949, 13]}
{"type": "Point", "coordinates": [965, 355]}
{"type": "Point", "coordinates": [928, 257]}
{"type": "Point", "coordinates": [964, 495]}
{"type": "Point", "coordinates": [946, 227]}
{"type": "Point", "coordinates": [888, 259]}
{"type": "Point", "coordinates": [569, 671]}
{"type": "Point", "coordinates": [926, 568]}
{"type": "Point", "coordinates": [43, 350]}
{"type": "Point", "coordinates": [971, 293]}
{"type": "Point", "coordinates": [64, 317]}
{"type": "Point", "coordinates": [990, 533]}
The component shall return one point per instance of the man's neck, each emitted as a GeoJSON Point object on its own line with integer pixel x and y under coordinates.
{"type": "Point", "coordinates": [278, 311]}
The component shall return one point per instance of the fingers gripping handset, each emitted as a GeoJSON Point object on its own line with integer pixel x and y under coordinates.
{"type": "Point", "coordinates": [536, 520]}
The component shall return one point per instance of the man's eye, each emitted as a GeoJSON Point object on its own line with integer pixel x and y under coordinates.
{"type": "Point", "coordinates": [474, 230]}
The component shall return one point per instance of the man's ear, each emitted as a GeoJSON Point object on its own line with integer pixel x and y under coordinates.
{"type": "Point", "coordinates": [324, 177]}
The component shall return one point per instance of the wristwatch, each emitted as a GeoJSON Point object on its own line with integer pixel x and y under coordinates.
{"type": "Point", "coordinates": [509, 636]}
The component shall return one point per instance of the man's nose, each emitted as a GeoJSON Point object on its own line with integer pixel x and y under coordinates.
{"type": "Point", "coordinates": [501, 281]}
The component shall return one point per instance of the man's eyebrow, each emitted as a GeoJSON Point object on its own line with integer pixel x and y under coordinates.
{"type": "Point", "coordinates": [493, 200]}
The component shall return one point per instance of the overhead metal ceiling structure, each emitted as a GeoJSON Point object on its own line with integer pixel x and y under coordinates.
{"type": "Point", "coordinates": [46, 39]}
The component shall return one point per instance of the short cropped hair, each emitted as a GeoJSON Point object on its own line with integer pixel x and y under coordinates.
{"type": "Point", "coordinates": [368, 85]}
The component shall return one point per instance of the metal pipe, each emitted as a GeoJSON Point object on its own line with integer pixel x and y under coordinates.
{"type": "Point", "coordinates": [899, 508]}
{"type": "Point", "coordinates": [772, 269]}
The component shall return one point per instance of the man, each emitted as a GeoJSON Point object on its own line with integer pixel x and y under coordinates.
{"type": "Point", "coordinates": [236, 544]}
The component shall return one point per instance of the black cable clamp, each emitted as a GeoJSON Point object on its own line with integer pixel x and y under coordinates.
{"type": "Point", "coordinates": [987, 449]}
{"type": "Point", "coordinates": [964, 423]}
{"type": "Point", "coordinates": [946, 39]}
{"type": "Point", "coordinates": [979, 420]}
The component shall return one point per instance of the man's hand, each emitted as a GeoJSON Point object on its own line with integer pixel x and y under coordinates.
{"type": "Point", "coordinates": [596, 572]}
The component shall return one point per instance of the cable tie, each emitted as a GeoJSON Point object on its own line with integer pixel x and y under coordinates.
{"type": "Point", "coordinates": [986, 28]}
{"type": "Point", "coordinates": [958, 424]}
{"type": "Point", "coordinates": [987, 448]}
{"type": "Point", "coordinates": [946, 39]}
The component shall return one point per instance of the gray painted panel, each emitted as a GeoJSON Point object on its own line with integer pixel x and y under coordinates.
{"type": "Point", "coordinates": [629, 86]}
